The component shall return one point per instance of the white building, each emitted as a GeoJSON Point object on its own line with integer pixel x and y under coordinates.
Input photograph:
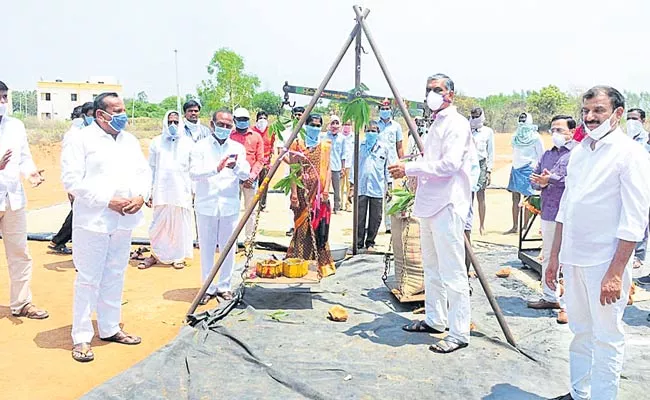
{"type": "Point", "coordinates": [55, 100]}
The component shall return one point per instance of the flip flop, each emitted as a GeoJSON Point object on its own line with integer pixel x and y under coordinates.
{"type": "Point", "coordinates": [420, 327]}
{"type": "Point", "coordinates": [123, 338]}
{"type": "Point", "coordinates": [178, 265]}
{"type": "Point", "coordinates": [447, 345]}
{"type": "Point", "coordinates": [225, 295]}
{"type": "Point", "coordinates": [82, 352]}
{"type": "Point", "coordinates": [206, 299]}
{"type": "Point", "coordinates": [32, 312]}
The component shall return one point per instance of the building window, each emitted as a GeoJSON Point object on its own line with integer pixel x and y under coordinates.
{"type": "Point", "coordinates": [73, 97]}
{"type": "Point", "coordinates": [45, 96]}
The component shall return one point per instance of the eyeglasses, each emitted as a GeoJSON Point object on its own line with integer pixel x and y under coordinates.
{"type": "Point", "coordinates": [173, 122]}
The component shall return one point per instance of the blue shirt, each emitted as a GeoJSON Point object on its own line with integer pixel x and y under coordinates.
{"type": "Point", "coordinates": [336, 153]}
{"type": "Point", "coordinates": [390, 132]}
{"type": "Point", "coordinates": [374, 170]}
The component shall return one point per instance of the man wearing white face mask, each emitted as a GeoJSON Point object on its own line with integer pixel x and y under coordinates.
{"type": "Point", "coordinates": [217, 164]}
{"type": "Point", "coordinates": [603, 214]}
{"type": "Point", "coordinates": [193, 127]}
{"type": "Point", "coordinates": [170, 231]}
{"type": "Point", "coordinates": [548, 177]}
{"type": "Point", "coordinates": [442, 201]}
{"type": "Point", "coordinates": [484, 140]}
{"type": "Point", "coordinates": [16, 163]}
{"type": "Point", "coordinates": [106, 172]}
{"type": "Point", "coordinates": [390, 132]}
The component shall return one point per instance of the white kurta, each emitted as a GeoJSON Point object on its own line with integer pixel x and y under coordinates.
{"type": "Point", "coordinates": [95, 167]}
{"type": "Point", "coordinates": [170, 231]}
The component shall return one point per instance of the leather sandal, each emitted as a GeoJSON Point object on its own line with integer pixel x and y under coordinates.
{"type": "Point", "coordinates": [225, 295]}
{"type": "Point", "coordinates": [123, 338]}
{"type": "Point", "coordinates": [32, 312]}
{"type": "Point", "coordinates": [82, 352]}
{"type": "Point", "coordinates": [206, 299]}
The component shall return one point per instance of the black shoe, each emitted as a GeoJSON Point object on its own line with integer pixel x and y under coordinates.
{"type": "Point", "coordinates": [644, 280]}
{"type": "Point", "coordinates": [289, 232]}
{"type": "Point", "coordinates": [388, 232]}
{"type": "Point", "coordinates": [60, 249]}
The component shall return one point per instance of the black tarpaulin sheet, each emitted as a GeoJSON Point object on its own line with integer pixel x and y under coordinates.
{"type": "Point", "coordinates": [278, 344]}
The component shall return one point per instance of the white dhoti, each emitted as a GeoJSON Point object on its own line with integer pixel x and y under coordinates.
{"type": "Point", "coordinates": [548, 235]}
{"type": "Point", "coordinates": [101, 260]}
{"type": "Point", "coordinates": [596, 351]}
{"type": "Point", "coordinates": [171, 234]}
{"type": "Point", "coordinates": [13, 225]}
{"type": "Point", "coordinates": [445, 275]}
{"type": "Point", "coordinates": [213, 232]}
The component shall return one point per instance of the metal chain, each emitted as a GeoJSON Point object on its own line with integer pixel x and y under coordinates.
{"type": "Point", "coordinates": [249, 246]}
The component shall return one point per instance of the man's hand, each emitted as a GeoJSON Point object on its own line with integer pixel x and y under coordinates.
{"type": "Point", "coordinates": [135, 204]}
{"type": "Point", "coordinates": [542, 179]}
{"type": "Point", "coordinates": [35, 178]}
{"type": "Point", "coordinates": [488, 178]}
{"type": "Point", "coordinates": [249, 183]}
{"type": "Point", "coordinates": [118, 204]}
{"type": "Point", "coordinates": [552, 272]}
{"type": "Point", "coordinates": [610, 288]}
{"type": "Point", "coordinates": [5, 159]}
{"type": "Point", "coordinates": [397, 170]}
{"type": "Point", "coordinates": [149, 202]}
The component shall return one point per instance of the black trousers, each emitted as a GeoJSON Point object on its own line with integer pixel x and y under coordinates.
{"type": "Point", "coordinates": [262, 175]}
{"type": "Point", "coordinates": [65, 233]}
{"type": "Point", "coordinates": [370, 208]}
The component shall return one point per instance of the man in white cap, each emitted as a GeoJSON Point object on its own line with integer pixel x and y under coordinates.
{"type": "Point", "coordinates": [106, 172]}
{"type": "Point", "coordinates": [217, 165]}
{"type": "Point", "coordinates": [254, 145]}
{"type": "Point", "coordinates": [171, 198]}
{"type": "Point", "coordinates": [336, 158]}
{"type": "Point", "coordinates": [16, 162]}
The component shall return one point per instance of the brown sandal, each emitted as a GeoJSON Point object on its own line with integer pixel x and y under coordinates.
{"type": "Point", "coordinates": [82, 352]}
{"type": "Point", "coordinates": [147, 263]}
{"type": "Point", "coordinates": [179, 265]}
{"type": "Point", "coordinates": [32, 312]}
{"type": "Point", "coordinates": [123, 338]}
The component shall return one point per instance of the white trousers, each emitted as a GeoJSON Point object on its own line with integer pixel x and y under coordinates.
{"type": "Point", "coordinates": [249, 195]}
{"type": "Point", "coordinates": [548, 235]}
{"type": "Point", "coordinates": [13, 225]}
{"type": "Point", "coordinates": [215, 231]}
{"type": "Point", "coordinates": [101, 260]}
{"type": "Point", "coordinates": [596, 351]}
{"type": "Point", "coordinates": [445, 275]}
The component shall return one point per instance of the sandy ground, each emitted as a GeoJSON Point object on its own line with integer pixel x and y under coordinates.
{"type": "Point", "coordinates": [36, 360]}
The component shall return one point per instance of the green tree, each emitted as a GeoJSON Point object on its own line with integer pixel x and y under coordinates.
{"type": "Point", "coordinates": [229, 85]}
{"type": "Point", "coordinates": [501, 110]}
{"type": "Point", "coordinates": [267, 101]}
{"type": "Point", "coordinates": [139, 109]}
{"type": "Point", "coordinates": [24, 102]}
{"type": "Point", "coordinates": [547, 103]}
{"type": "Point", "coordinates": [169, 103]}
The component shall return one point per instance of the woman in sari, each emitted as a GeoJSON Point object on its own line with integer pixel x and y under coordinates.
{"type": "Point", "coordinates": [527, 150]}
{"type": "Point", "coordinates": [310, 203]}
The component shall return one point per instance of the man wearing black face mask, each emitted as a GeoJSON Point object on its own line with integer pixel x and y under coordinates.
{"type": "Point", "coordinates": [603, 214]}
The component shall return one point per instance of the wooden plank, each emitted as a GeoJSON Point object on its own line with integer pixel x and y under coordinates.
{"type": "Point", "coordinates": [392, 286]}
{"type": "Point", "coordinates": [310, 279]}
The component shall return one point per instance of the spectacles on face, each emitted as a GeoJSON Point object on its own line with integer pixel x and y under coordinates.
{"type": "Point", "coordinates": [173, 122]}
{"type": "Point", "coordinates": [315, 124]}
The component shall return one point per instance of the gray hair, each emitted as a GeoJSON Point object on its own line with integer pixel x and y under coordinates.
{"type": "Point", "coordinates": [449, 84]}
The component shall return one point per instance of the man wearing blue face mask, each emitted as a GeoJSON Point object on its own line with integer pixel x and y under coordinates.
{"type": "Point", "coordinates": [58, 245]}
{"type": "Point", "coordinates": [104, 169]}
{"type": "Point", "coordinates": [170, 231]}
{"type": "Point", "coordinates": [390, 132]}
{"type": "Point", "coordinates": [602, 215]}
{"type": "Point", "coordinates": [374, 158]}
{"type": "Point", "coordinates": [254, 145]}
{"type": "Point", "coordinates": [217, 165]}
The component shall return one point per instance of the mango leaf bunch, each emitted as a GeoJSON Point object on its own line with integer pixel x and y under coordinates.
{"type": "Point", "coordinates": [284, 184]}
{"type": "Point", "coordinates": [280, 124]}
{"type": "Point", "coordinates": [403, 200]}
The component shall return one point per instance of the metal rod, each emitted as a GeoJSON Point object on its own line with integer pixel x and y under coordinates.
{"type": "Point", "coordinates": [412, 127]}
{"type": "Point", "coordinates": [178, 87]}
{"type": "Point", "coordinates": [249, 210]}
{"type": "Point", "coordinates": [357, 92]}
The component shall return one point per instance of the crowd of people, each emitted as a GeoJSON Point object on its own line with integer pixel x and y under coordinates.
{"type": "Point", "coordinates": [595, 202]}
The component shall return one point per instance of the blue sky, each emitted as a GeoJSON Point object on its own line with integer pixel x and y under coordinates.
{"type": "Point", "coordinates": [486, 46]}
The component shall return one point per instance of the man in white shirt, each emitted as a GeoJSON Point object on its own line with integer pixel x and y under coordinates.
{"type": "Point", "coordinates": [106, 172]}
{"type": "Point", "coordinates": [217, 164]}
{"type": "Point", "coordinates": [171, 196]}
{"type": "Point", "coordinates": [442, 201]}
{"type": "Point", "coordinates": [603, 214]}
{"type": "Point", "coordinates": [16, 162]}
{"type": "Point", "coordinates": [484, 141]}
